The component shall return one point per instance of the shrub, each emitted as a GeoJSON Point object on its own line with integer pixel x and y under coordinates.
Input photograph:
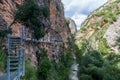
{"type": "Point", "coordinates": [3, 60]}
{"type": "Point", "coordinates": [100, 13]}
{"type": "Point", "coordinates": [3, 33]}
{"type": "Point", "coordinates": [44, 65]}
{"type": "Point", "coordinates": [67, 21]}
{"type": "Point", "coordinates": [103, 46]}
{"type": "Point", "coordinates": [93, 66]}
{"type": "Point", "coordinates": [30, 71]}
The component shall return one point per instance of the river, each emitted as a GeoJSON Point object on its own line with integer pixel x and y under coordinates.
{"type": "Point", "coordinates": [74, 70]}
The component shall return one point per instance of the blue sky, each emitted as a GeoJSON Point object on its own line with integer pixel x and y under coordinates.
{"type": "Point", "coordinates": [78, 10]}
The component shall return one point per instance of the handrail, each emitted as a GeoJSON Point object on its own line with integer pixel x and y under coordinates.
{"type": "Point", "coordinates": [42, 40]}
{"type": "Point", "coordinates": [18, 60]}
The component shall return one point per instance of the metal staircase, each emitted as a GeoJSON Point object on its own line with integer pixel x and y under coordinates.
{"type": "Point", "coordinates": [16, 55]}
{"type": "Point", "coordinates": [16, 58]}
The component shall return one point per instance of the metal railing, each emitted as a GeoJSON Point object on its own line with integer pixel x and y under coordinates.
{"type": "Point", "coordinates": [16, 59]}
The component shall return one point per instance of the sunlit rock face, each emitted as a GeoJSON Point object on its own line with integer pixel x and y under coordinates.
{"type": "Point", "coordinates": [112, 35]}
{"type": "Point", "coordinates": [56, 22]}
{"type": "Point", "coordinates": [72, 25]}
{"type": "Point", "coordinates": [7, 8]}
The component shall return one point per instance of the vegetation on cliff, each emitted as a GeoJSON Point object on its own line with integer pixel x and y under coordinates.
{"type": "Point", "coordinates": [96, 59]}
{"type": "Point", "coordinates": [49, 69]}
{"type": "Point", "coordinates": [31, 15]}
{"type": "Point", "coordinates": [94, 65]}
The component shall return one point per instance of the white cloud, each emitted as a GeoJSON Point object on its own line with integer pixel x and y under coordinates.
{"type": "Point", "coordinates": [80, 8]}
{"type": "Point", "coordinates": [77, 3]}
{"type": "Point", "coordinates": [79, 18]}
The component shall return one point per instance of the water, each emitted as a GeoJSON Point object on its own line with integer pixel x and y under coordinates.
{"type": "Point", "coordinates": [74, 70]}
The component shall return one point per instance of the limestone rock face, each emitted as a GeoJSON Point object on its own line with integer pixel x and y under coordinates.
{"type": "Point", "coordinates": [112, 35]}
{"type": "Point", "coordinates": [56, 22]}
{"type": "Point", "coordinates": [57, 18]}
{"type": "Point", "coordinates": [72, 25]}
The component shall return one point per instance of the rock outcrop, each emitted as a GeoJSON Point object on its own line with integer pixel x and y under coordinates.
{"type": "Point", "coordinates": [112, 35]}
{"type": "Point", "coordinates": [72, 25]}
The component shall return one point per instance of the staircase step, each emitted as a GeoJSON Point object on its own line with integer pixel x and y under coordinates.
{"type": "Point", "coordinates": [13, 68]}
{"type": "Point", "coordinates": [12, 47]}
{"type": "Point", "coordinates": [14, 44]}
{"type": "Point", "coordinates": [14, 37]}
{"type": "Point", "coordinates": [13, 56]}
{"type": "Point", "coordinates": [14, 64]}
{"type": "Point", "coordinates": [14, 59]}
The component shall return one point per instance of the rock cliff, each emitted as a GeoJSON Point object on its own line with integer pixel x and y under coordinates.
{"type": "Point", "coordinates": [71, 25]}
{"type": "Point", "coordinates": [56, 23]}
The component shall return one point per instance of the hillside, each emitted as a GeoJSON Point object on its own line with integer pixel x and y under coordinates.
{"type": "Point", "coordinates": [102, 25]}
{"type": "Point", "coordinates": [99, 44]}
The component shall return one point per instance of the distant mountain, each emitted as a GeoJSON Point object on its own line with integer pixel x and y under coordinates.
{"type": "Point", "coordinates": [72, 25]}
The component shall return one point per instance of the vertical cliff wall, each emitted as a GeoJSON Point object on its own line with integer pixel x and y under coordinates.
{"type": "Point", "coordinates": [56, 24]}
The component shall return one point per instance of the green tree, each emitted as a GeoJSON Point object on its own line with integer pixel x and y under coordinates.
{"type": "Point", "coordinates": [31, 15]}
{"type": "Point", "coordinates": [44, 65]}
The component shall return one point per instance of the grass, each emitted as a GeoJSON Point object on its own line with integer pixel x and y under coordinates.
{"type": "Point", "coordinates": [3, 61]}
{"type": "Point", "coordinates": [103, 46]}
{"type": "Point", "coordinates": [30, 71]}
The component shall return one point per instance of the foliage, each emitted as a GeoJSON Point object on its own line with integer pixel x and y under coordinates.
{"type": "Point", "coordinates": [60, 69]}
{"type": "Point", "coordinates": [67, 21]}
{"type": "Point", "coordinates": [64, 66]}
{"type": "Point", "coordinates": [49, 69]}
{"type": "Point", "coordinates": [103, 47]}
{"type": "Point", "coordinates": [100, 13]}
{"type": "Point", "coordinates": [94, 67]}
{"type": "Point", "coordinates": [3, 33]}
{"type": "Point", "coordinates": [44, 65]}
{"type": "Point", "coordinates": [31, 15]}
{"type": "Point", "coordinates": [30, 71]}
{"type": "Point", "coordinates": [118, 41]}
{"type": "Point", "coordinates": [3, 53]}
{"type": "Point", "coordinates": [3, 60]}
{"type": "Point", "coordinates": [108, 12]}
{"type": "Point", "coordinates": [99, 63]}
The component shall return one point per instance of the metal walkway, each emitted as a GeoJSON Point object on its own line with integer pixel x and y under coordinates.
{"type": "Point", "coordinates": [16, 55]}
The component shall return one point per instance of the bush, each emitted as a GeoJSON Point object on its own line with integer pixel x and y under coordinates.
{"type": "Point", "coordinates": [44, 65]}
{"type": "Point", "coordinates": [3, 61]}
{"type": "Point", "coordinates": [94, 67]}
{"type": "Point", "coordinates": [3, 33]}
{"type": "Point", "coordinates": [30, 71]}
{"type": "Point", "coordinates": [43, 70]}
{"type": "Point", "coordinates": [103, 46]}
